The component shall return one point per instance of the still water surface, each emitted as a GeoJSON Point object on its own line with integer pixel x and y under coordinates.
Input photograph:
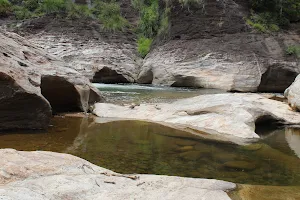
{"type": "Point", "coordinates": [148, 148]}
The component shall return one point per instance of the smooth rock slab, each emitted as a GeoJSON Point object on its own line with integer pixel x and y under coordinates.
{"type": "Point", "coordinates": [231, 116]}
{"type": "Point", "coordinates": [47, 175]}
{"type": "Point", "coordinates": [293, 94]}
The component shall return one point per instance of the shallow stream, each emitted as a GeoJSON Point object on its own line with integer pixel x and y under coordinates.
{"type": "Point", "coordinates": [149, 148]}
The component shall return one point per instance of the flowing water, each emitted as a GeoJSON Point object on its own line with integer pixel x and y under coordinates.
{"type": "Point", "coordinates": [131, 93]}
{"type": "Point", "coordinates": [149, 148]}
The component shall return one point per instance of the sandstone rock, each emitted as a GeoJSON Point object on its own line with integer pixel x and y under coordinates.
{"type": "Point", "coordinates": [99, 55]}
{"type": "Point", "coordinates": [28, 74]}
{"type": "Point", "coordinates": [228, 116]}
{"type": "Point", "coordinates": [47, 175]}
{"type": "Point", "coordinates": [211, 46]}
{"type": "Point", "coordinates": [21, 103]}
{"type": "Point", "coordinates": [293, 94]}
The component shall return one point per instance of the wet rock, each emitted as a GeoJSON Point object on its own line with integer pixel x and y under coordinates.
{"type": "Point", "coordinates": [246, 192]}
{"type": "Point", "coordinates": [293, 94]}
{"type": "Point", "coordinates": [224, 156]}
{"type": "Point", "coordinates": [185, 142]}
{"type": "Point", "coordinates": [191, 155]}
{"type": "Point", "coordinates": [204, 148]}
{"type": "Point", "coordinates": [243, 165]}
{"type": "Point", "coordinates": [252, 147]}
{"type": "Point", "coordinates": [229, 117]}
{"type": "Point", "coordinates": [47, 175]}
{"type": "Point", "coordinates": [185, 148]}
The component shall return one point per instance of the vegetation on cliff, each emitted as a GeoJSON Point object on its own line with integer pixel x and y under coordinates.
{"type": "Point", "coordinates": [270, 15]}
{"type": "Point", "coordinates": [153, 15]}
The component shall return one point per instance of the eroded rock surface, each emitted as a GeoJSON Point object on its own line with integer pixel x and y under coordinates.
{"type": "Point", "coordinates": [232, 116]}
{"type": "Point", "coordinates": [211, 46]}
{"type": "Point", "coordinates": [99, 55]}
{"type": "Point", "coordinates": [32, 80]}
{"type": "Point", "coordinates": [47, 175]}
{"type": "Point", "coordinates": [293, 94]}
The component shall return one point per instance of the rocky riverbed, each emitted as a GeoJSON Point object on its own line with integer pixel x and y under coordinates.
{"type": "Point", "coordinates": [49, 69]}
{"type": "Point", "coordinates": [231, 116]}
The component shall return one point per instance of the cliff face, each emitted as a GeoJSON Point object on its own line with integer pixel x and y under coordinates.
{"type": "Point", "coordinates": [211, 46]}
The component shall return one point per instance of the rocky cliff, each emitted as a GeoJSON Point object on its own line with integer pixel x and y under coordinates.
{"type": "Point", "coordinates": [211, 46]}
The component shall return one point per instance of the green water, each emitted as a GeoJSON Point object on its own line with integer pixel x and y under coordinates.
{"type": "Point", "coordinates": [147, 148]}
{"type": "Point", "coordinates": [132, 93]}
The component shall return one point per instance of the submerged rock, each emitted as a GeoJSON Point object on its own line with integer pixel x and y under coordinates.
{"type": "Point", "coordinates": [244, 165]}
{"type": "Point", "coordinates": [229, 116]}
{"type": "Point", "coordinates": [191, 155]}
{"type": "Point", "coordinates": [33, 83]}
{"type": "Point", "coordinates": [46, 175]}
{"type": "Point", "coordinates": [261, 192]}
{"type": "Point", "coordinates": [252, 147]}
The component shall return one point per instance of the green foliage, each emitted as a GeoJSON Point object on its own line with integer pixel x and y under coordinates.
{"type": "Point", "coordinates": [191, 2]}
{"type": "Point", "coordinates": [75, 11]}
{"type": "Point", "coordinates": [153, 22]}
{"type": "Point", "coordinates": [21, 12]}
{"type": "Point", "coordinates": [164, 23]}
{"type": "Point", "coordinates": [31, 5]}
{"type": "Point", "coordinates": [285, 11]}
{"type": "Point", "coordinates": [109, 13]}
{"type": "Point", "coordinates": [5, 8]}
{"type": "Point", "coordinates": [263, 22]}
{"type": "Point", "coordinates": [53, 6]}
{"type": "Point", "coordinates": [137, 4]}
{"type": "Point", "coordinates": [144, 45]}
{"type": "Point", "coordinates": [149, 21]}
{"type": "Point", "coordinates": [293, 50]}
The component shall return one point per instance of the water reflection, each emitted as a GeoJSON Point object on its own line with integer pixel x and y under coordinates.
{"type": "Point", "coordinates": [142, 147]}
{"type": "Point", "coordinates": [292, 137]}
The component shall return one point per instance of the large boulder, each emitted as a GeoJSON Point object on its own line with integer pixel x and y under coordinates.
{"type": "Point", "coordinates": [293, 94]}
{"type": "Point", "coordinates": [21, 103]}
{"type": "Point", "coordinates": [231, 117]}
{"type": "Point", "coordinates": [211, 46]}
{"type": "Point", "coordinates": [46, 175]}
{"type": "Point", "coordinates": [33, 82]}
